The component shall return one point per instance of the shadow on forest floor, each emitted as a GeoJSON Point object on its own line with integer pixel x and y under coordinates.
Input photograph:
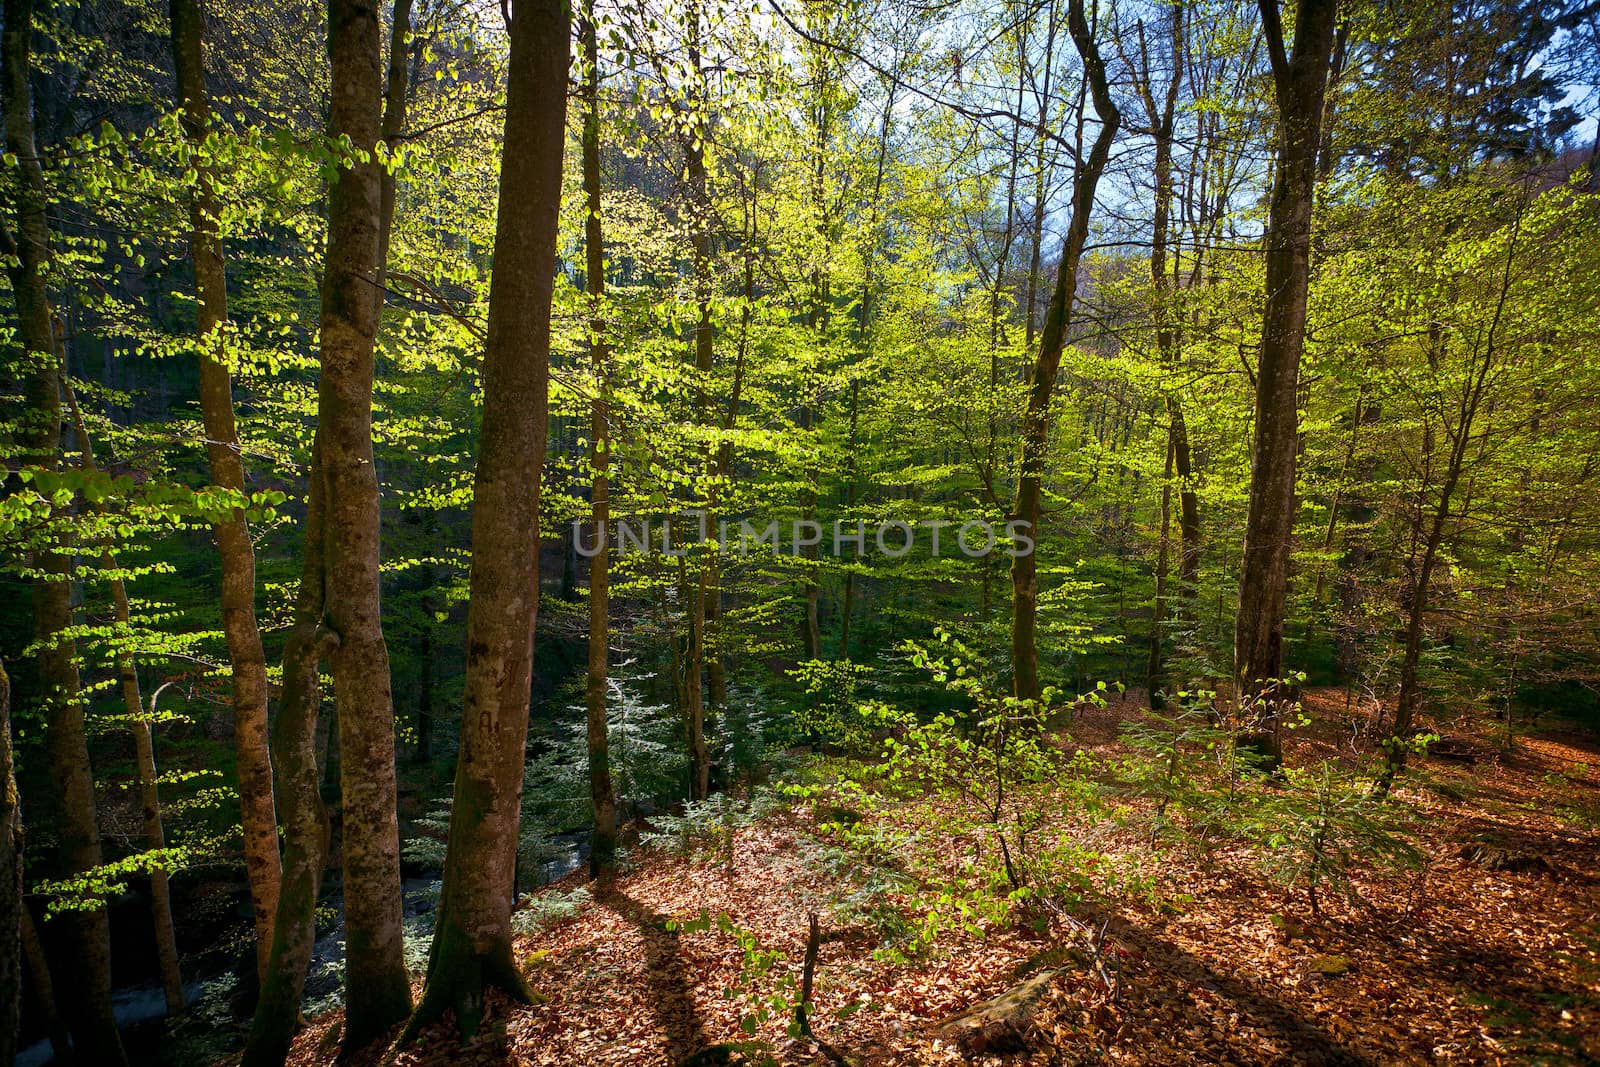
{"type": "Point", "coordinates": [671, 992]}
{"type": "Point", "coordinates": [1310, 1044]}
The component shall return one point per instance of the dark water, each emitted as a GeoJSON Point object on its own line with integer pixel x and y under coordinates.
{"type": "Point", "coordinates": [141, 1008]}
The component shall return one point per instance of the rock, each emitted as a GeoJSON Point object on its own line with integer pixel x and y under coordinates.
{"type": "Point", "coordinates": [999, 1025]}
{"type": "Point", "coordinates": [1329, 965]}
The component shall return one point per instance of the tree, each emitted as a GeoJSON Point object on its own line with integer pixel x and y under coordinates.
{"type": "Point", "coordinates": [1299, 79]}
{"type": "Point", "coordinates": [141, 725]}
{"type": "Point", "coordinates": [11, 902]}
{"type": "Point", "coordinates": [1029, 504]}
{"type": "Point", "coordinates": [378, 993]}
{"type": "Point", "coordinates": [603, 845]}
{"type": "Point", "coordinates": [472, 937]}
{"type": "Point", "coordinates": [232, 532]}
{"type": "Point", "coordinates": [294, 752]}
{"type": "Point", "coordinates": [1161, 119]}
{"type": "Point", "coordinates": [28, 255]}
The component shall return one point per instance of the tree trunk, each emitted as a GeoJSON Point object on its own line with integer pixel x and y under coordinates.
{"type": "Point", "coordinates": [139, 724]}
{"type": "Point", "coordinates": [305, 837]}
{"type": "Point", "coordinates": [603, 801]}
{"type": "Point", "coordinates": [812, 624]}
{"type": "Point", "coordinates": [394, 124]}
{"type": "Point", "coordinates": [1300, 82]}
{"type": "Point", "coordinates": [90, 1018]}
{"type": "Point", "coordinates": [44, 990]}
{"type": "Point", "coordinates": [1161, 118]}
{"type": "Point", "coordinates": [378, 992]}
{"type": "Point", "coordinates": [1042, 379]}
{"type": "Point", "coordinates": [11, 903]}
{"type": "Point", "coordinates": [150, 806]}
{"type": "Point", "coordinates": [1155, 668]}
{"type": "Point", "coordinates": [703, 588]}
{"type": "Point", "coordinates": [694, 694]}
{"type": "Point", "coordinates": [472, 940]}
{"type": "Point", "coordinates": [258, 812]}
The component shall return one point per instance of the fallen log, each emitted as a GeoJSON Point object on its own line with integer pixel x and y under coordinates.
{"type": "Point", "coordinates": [1001, 1024]}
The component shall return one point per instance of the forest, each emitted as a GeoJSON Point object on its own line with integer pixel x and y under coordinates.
{"type": "Point", "coordinates": [854, 532]}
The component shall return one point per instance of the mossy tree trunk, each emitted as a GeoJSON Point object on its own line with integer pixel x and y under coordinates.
{"type": "Point", "coordinates": [472, 938]}
{"type": "Point", "coordinates": [11, 905]}
{"type": "Point", "coordinates": [377, 990]}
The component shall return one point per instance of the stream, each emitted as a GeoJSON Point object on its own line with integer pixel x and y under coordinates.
{"type": "Point", "coordinates": [141, 1007]}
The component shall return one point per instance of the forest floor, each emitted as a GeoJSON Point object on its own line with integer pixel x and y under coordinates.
{"type": "Point", "coordinates": [1487, 953]}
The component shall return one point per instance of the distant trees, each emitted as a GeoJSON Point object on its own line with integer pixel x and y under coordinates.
{"type": "Point", "coordinates": [811, 281]}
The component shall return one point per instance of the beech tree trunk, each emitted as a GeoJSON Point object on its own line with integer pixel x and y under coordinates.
{"type": "Point", "coordinates": [313, 640]}
{"type": "Point", "coordinates": [258, 812]}
{"type": "Point", "coordinates": [702, 588]}
{"type": "Point", "coordinates": [378, 992]}
{"type": "Point", "coordinates": [1161, 117]}
{"type": "Point", "coordinates": [603, 801]}
{"type": "Point", "coordinates": [90, 1018]}
{"type": "Point", "coordinates": [144, 750]}
{"type": "Point", "coordinates": [44, 992]}
{"type": "Point", "coordinates": [1300, 83]}
{"type": "Point", "coordinates": [1042, 378]}
{"type": "Point", "coordinates": [472, 938]}
{"type": "Point", "coordinates": [305, 838]}
{"type": "Point", "coordinates": [394, 124]}
{"type": "Point", "coordinates": [144, 747]}
{"type": "Point", "coordinates": [11, 904]}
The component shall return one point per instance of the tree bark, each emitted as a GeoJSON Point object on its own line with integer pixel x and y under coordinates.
{"type": "Point", "coordinates": [90, 1017]}
{"type": "Point", "coordinates": [703, 587]}
{"type": "Point", "coordinates": [1155, 666]}
{"type": "Point", "coordinates": [44, 989]}
{"type": "Point", "coordinates": [1161, 117]}
{"type": "Point", "coordinates": [394, 124]}
{"type": "Point", "coordinates": [1042, 378]}
{"type": "Point", "coordinates": [305, 838]}
{"type": "Point", "coordinates": [472, 939]}
{"type": "Point", "coordinates": [11, 903]}
{"type": "Point", "coordinates": [603, 801]}
{"type": "Point", "coordinates": [1300, 82]}
{"type": "Point", "coordinates": [144, 747]}
{"type": "Point", "coordinates": [257, 808]}
{"type": "Point", "coordinates": [139, 724]}
{"type": "Point", "coordinates": [378, 992]}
